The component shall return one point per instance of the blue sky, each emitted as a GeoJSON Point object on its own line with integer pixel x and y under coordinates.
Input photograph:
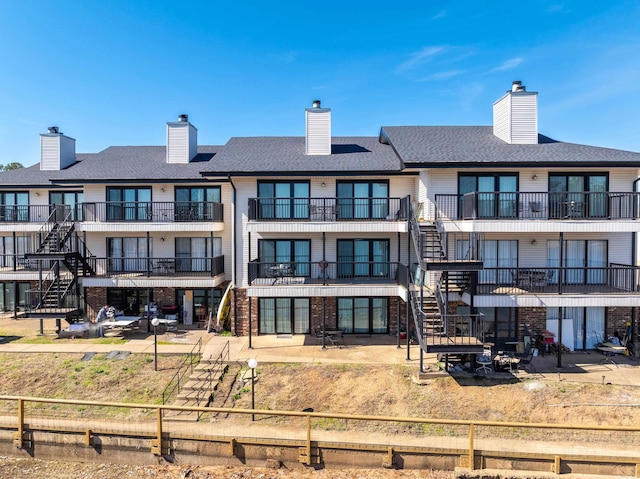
{"type": "Point", "coordinates": [114, 72]}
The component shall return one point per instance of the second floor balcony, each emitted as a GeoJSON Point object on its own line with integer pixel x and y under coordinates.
{"type": "Point", "coordinates": [325, 273]}
{"type": "Point", "coordinates": [115, 211]}
{"type": "Point", "coordinates": [169, 266]}
{"type": "Point", "coordinates": [613, 279]}
{"type": "Point", "coordinates": [583, 205]}
{"type": "Point", "coordinates": [328, 209]}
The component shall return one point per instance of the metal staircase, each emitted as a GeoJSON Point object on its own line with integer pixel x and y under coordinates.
{"type": "Point", "coordinates": [61, 257]}
{"type": "Point", "coordinates": [438, 331]}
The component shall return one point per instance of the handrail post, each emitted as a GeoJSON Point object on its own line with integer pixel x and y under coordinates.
{"type": "Point", "coordinates": [17, 437]}
{"type": "Point", "coordinates": [156, 444]}
{"type": "Point", "coordinates": [472, 458]}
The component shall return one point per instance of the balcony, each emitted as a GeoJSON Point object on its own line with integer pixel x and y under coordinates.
{"type": "Point", "coordinates": [326, 273]}
{"type": "Point", "coordinates": [614, 279]}
{"type": "Point", "coordinates": [328, 209]}
{"type": "Point", "coordinates": [118, 211]}
{"type": "Point", "coordinates": [24, 213]}
{"type": "Point", "coordinates": [152, 212]}
{"type": "Point", "coordinates": [159, 267]}
{"type": "Point", "coordinates": [538, 206]}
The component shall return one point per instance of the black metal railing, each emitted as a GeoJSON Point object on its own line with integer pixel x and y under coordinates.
{"type": "Point", "coordinates": [170, 266]}
{"type": "Point", "coordinates": [328, 209]}
{"type": "Point", "coordinates": [545, 205]}
{"type": "Point", "coordinates": [325, 272]}
{"type": "Point", "coordinates": [152, 212]}
{"type": "Point", "coordinates": [614, 279]}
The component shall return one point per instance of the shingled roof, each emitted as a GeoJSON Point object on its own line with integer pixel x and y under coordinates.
{"type": "Point", "coordinates": [455, 146]}
{"type": "Point", "coordinates": [273, 155]}
{"type": "Point", "coordinates": [116, 163]}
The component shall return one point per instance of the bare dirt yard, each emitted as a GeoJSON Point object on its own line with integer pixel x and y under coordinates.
{"type": "Point", "coordinates": [353, 388]}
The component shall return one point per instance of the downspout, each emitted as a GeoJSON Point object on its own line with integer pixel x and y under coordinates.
{"type": "Point", "coordinates": [233, 255]}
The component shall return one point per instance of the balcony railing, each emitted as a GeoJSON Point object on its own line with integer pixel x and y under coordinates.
{"type": "Point", "coordinates": [115, 211]}
{"type": "Point", "coordinates": [328, 209]}
{"type": "Point", "coordinates": [529, 206]}
{"type": "Point", "coordinates": [614, 279]}
{"type": "Point", "coordinates": [177, 267]}
{"type": "Point", "coordinates": [154, 212]}
{"type": "Point", "coordinates": [324, 272]}
{"type": "Point", "coordinates": [25, 213]}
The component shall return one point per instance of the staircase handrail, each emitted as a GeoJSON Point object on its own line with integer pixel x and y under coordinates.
{"type": "Point", "coordinates": [418, 318]}
{"type": "Point", "coordinates": [416, 236]}
{"type": "Point", "coordinates": [216, 370]}
{"type": "Point", "coordinates": [187, 365]}
{"type": "Point", "coordinates": [49, 276]}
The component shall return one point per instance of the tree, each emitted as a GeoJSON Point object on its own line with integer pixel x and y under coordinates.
{"type": "Point", "coordinates": [11, 166]}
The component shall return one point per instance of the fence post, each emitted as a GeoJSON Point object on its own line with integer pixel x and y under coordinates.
{"type": "Point", "coordinates": [156, 444]}
{"type": "Point", "coordinates": [472, 459]}
{"type": "Point", "coordinates": [19, 435]}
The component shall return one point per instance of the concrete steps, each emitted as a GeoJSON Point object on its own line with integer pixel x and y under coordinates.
{"type": "Point", "coordinates": [198, 390]}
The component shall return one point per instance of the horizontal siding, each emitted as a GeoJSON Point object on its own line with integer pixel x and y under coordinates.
{"type": "Point", "coordinates": [501, 125]}
{"type": "Point", "coordinates": [318, 134]}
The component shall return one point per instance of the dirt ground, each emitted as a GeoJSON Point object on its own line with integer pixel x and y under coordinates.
{"type": "Point", "coordinates": [11, 468]}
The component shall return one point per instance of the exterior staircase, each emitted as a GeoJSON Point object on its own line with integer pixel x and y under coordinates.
{"type": "Point", "coordinates": [59, 249]}
{"type": "Point", "coordinates": [438, 331]}
{"type": "Point", "coordinates": [200, 387]}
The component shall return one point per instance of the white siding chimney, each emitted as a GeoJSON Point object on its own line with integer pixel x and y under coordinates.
{"type": "Point", "coordinates": [515, 116]}
{"type": "Point", "coordinates": [182, 140]}
{"type": "Point", "coordinates": [57, 151]}
{"type": "Point", "coordinates": [318, 130]}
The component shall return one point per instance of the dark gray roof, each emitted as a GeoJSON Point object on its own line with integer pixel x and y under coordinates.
{"type": "Point", "coordinates": [452, 146]}
{"type": "Point", "coordinates": [286, 155]}
{"type": "Point", "coordinates": [117, 163]}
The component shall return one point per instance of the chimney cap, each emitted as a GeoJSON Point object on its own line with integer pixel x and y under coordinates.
{"type": "Point", "coordinates": [183, 118]}
{"type": "Point", "coordinates": [518, 86]}
{"type": "Point", "coordinates": [54, 130]}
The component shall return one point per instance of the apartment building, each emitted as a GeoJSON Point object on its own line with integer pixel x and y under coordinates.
{"type": "Point", "coordinates": [467, 234]}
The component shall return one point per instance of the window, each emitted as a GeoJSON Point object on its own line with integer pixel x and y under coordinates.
{"type": "Point", "coordinates": [363, 315]}
{"type": "Point", "coordinates": [194, 254]}
{"type": "Point", "coordinates": [284, 315]}
{"type": "Point", "coordinates": [195, 204]}
{"type": "Point", "coordinates": [500, 324]}
{"type": "Point", "coordinates": [129, 204]}
{"type": "Point", "coordinates": [8, 296]}
{"type": "Point", "coordinates": [363, 199]}
{"type": "Point", "coordinates": [283, 199]}
{"type": "Point", "coordinates": [488, 195]}
{"type": "Point", "coordinates": [584, 326]}
{"type": "Point", "coordinates": [66, 203]}
{"type": "Point", "coordinates": [296, 253]}
{"type": "Point", "coordinates": [578, 195]}
{"type": "Point", "coordinates": [11, 250]}
{"type": "Point", "coordinates": [129, 254]}
{"type": "Point", "coordinates": [14, 206]}
{"type": "Point", "coordinates": [363, 258]}
{"type": "Point", "coordinates": [500, 260]}
{"type": "Point", "coordinates": [131, 302]}
{"type": "Point", "coordinates": [583, 261]}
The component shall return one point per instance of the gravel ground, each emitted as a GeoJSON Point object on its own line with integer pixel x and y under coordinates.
{"type": "Point", "coordinates": [15, 468]}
